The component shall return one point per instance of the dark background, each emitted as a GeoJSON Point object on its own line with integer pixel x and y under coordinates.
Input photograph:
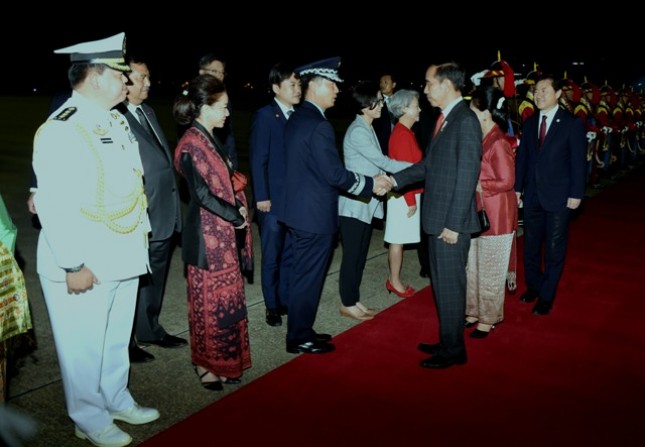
{"type": "Point", "coordinates": [173, 47]}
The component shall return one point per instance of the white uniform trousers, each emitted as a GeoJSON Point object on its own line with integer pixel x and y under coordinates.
{"type": "Point", "coordinates": [92, 332]}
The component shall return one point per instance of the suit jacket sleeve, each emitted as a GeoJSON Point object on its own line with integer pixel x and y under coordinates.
{"type": "Point", "coordinates": [203, 195]}
{"type": "Point", "coordinates": [469, 151]}
{"type": "Point", "coordinates": [361, 139]}
{"type": "Point", "coordinates": [59, 199]}
{"type": "Point", "coordinates": [413, 174]}
{"type": "Point", "coordinates": [325, 154]}
{"type": "Point", "coordinates": [259, 145]}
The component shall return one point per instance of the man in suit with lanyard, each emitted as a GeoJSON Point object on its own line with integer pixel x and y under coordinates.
{"type": "Point", "coordinates": [550, 171]}
{"type": "Point", "coordinates": [448, 212]}
{"type": "Point", "coordinates": [266, 154]}
{"type": "Point", "coordinates": [164, 212]}
{"type": "Point", "coordinates": [314, 177]}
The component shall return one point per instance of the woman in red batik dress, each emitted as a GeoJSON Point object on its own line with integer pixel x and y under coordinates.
{"type": "Point", "coordinates": [216, 223]}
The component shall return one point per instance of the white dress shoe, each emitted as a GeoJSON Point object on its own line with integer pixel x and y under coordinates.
{"type": "Point", "coordinates": [136, 415]}
{"type": "Point", "coordinates": [110, 436]}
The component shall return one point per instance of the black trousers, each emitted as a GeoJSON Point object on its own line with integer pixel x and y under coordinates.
{"type": "Point", "coordinates": [355, 238]}
{"type": "Point", "coordinates": [151, 292]}
{"type": "Point", "coordinates": [545, 242]}
{"type": "Point", "coordinates": [311, 254]}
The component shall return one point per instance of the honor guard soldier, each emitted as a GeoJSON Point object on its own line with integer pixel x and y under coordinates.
{"type": "Point", "coordinates": [94, 240]}
{"type": "Point", "coordinates": [501, 76]}
{"type": "Point", "coordinates": [585, 111]}
{"type": "Point", "coordinates": [527, 106]}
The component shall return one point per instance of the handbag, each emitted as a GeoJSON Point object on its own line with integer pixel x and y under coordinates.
{"type": "Point", "coordinates": [239, 181]}
{"type": "Point", "coordinates": [484, 223]}
{"type": "Point", "coordinates": [483, 220]}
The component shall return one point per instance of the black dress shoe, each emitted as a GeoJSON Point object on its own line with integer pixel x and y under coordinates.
{"type": "Point", "coordinates": [273, 318]}
{"type": "Point", "coordinates": [311, 347]}
{"type": "Point", "coordinates": [542, 307]}
{"type": "Point", "coordinates": [529, 296]}
{"type": "Point", "coordinates": [427, 348]}
{"type": "Point", "coordinates": [283, 310]}
{"type": "Point", "coordinates": [232, 381]}
{"type": "Point", "coordinates": [439, 361]}
{"type": "Point", "coordinates": [424, 273]}
{"type": "Point", "coordinates": [469, 324]}
{"type": "Point", "coordinates": [322, 337]}
{"type": "Point", "coordinates": [168, 341]}
{"type": "Point", "coordinates": [138, 355]}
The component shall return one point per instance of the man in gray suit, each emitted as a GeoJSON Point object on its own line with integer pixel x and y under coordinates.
{"type": "Point", "coordinates": [448, 212]}
{"type": "Point", "coordinates": [163, 210]}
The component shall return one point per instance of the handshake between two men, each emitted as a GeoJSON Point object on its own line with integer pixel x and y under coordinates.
{"type": "Point", "coordinates": [382, 184]}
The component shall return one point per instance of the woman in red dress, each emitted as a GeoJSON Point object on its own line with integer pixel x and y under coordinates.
{"type": "Point", "coordinates": [488, 258]}
{"type": "Point", "coordinates": [217, 210]}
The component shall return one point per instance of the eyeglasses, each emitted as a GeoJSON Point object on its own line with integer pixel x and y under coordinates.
{"type": "Point", "coordinates": [214, 72]}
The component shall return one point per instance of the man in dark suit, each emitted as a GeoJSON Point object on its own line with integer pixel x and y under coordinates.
{"type": "Point", "coordinates": [214, 65]}
{"type": "Point", "coordinates": [266, 153]}
{"type": "Point", "coordinates": [314, 177]}
{"type": "Point", "coordinates": [383, 125]}
{"type": "Point", "coordinates": [163, 210]}
{"type": "Point", "coordinates": [550, 171]}
{"type": "Point", "coordinates": [448, 213]}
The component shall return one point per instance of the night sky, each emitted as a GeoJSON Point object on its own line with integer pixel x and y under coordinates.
{"type": "Point", "coordinates": [407, 50]}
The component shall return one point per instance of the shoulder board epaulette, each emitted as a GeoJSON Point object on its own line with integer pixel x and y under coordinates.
{"type": "Point", "coordinates": [65, 114]}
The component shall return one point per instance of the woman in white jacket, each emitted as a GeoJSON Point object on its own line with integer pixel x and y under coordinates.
{"type": "Point", "coordinates": [363, 155]}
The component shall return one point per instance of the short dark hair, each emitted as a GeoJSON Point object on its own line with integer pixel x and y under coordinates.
{"type": "Point", "coordinates": [134, 58]}
{"type": "Point", "coordinates": [365, 94]}
{"type": "Point", "coordinates": [454, 73]}
{"type": "Point", "coordinates": [203, 90]}
{"type": "Point", "coordinates": [207, 59]}
{"type": "Point", "coordinates": [549, 77]}
{"type": "Point", "coordinates": [280, 73]}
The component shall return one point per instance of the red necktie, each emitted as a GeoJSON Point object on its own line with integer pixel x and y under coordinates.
{"type": "Point", "coordinates": [438, 125]}
{"type": "Point", "coordinates": [542, 130]}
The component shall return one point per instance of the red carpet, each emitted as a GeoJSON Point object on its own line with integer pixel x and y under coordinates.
{"type": "Point", "coordinates": [575, 377]}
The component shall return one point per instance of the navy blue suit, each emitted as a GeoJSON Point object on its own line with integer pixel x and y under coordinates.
{"type": "Point", "coordinates": [548, 176]}
{"type": "Point", "coordinates": [267, 158]}
{"type": "Point", "coordinates": [314, 177]}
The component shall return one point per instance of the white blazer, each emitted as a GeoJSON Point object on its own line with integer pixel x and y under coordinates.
{"type": "Point", "coordinates": [363, 155]}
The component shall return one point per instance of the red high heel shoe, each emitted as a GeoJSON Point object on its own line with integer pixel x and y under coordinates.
{"type": "Point", "coordinates": [409, 291]}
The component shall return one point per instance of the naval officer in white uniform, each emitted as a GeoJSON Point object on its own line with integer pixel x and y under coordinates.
{"type": "Point", "coordinates": [94, 240]}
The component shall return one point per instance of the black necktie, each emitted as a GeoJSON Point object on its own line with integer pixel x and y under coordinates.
{"type": "Point", "coordinates": [289, 113]}
{"type": "Point", "coordinates": [542, 130]}
{"type": "Point", "coordinates": [146, 124]}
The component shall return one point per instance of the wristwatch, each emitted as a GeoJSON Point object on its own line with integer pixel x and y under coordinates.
{"type": "Point", "coordinates": [74, 269]}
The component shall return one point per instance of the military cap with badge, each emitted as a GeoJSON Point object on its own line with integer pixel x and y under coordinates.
{"type": "Point", "coordinates": [326, 68]}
